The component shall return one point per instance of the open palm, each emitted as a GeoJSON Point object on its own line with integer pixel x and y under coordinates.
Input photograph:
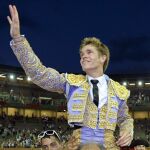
{"type": "Point", "coordinates": [14, 22]}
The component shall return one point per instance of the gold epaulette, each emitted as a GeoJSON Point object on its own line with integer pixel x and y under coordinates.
{"type": "Point", "coordinates": [75, 79]}
{"type": "Point", "coordinates": [121, 91]}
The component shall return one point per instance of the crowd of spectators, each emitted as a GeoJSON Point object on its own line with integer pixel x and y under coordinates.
{"type": "Point", "coordinates": [16, 131]}
{"type": "Point", "coordinates": [139, 98]}
{"type": "Point", "coordinates": [142, 129]}
{"type": "Point", "coordinates": [32, 100]}
{"type": "Point", "coordinates": [12, 136]}
{"type": "Point", "coordinates": [19, 131]}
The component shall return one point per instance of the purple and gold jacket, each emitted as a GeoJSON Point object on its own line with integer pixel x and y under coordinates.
{"type": "Point", "coordinates": [81, 110]}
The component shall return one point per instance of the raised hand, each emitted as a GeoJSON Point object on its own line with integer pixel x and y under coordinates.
{"type": "Point", "coordinates": [14, 22]}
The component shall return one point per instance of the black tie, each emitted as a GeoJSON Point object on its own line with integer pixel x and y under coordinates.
{"type": "Point", "coordinates": [95, 92]}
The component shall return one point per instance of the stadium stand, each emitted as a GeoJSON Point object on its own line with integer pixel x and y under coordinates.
{"type": "Point", "coordinates": [26, 109]}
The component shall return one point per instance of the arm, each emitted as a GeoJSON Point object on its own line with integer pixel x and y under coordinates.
{"type": "Point", "coordinates": [74, 142]}
{"type": "Point", "coordinates": [125, 123]}
{"type": "Point", "coordinates": [46, 78]}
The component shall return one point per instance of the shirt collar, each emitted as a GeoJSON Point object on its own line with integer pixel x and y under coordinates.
{"type": "Point", "coordinates": [101, 79]}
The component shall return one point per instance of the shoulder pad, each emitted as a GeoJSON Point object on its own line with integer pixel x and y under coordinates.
{"type": "Point", "coordinates": [121, 91]}
{"type": "Point", "coordinates": [75, 79]}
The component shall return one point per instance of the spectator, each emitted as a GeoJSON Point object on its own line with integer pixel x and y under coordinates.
{"type": "Point", "coordinates": [140, 144]}
{"type": "Point", "coordinates": [50, 140]}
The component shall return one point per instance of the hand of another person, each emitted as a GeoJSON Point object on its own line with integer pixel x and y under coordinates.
{"type": "Point", "coordinates": [14, 22]}
{"type": "Point", "coordinates": [72, 144]}
{"type": "Point", "coordinates": [74, 141]}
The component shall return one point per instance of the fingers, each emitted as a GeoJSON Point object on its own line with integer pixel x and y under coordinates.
{"type": "Point", "coordinates": [13, 20]}
{"type": "Point", "coordinates": [124, 140]}
{"type": "Point", "coordinates": [73, 143]}
{"type": "Point", "coordinates": [15, 10]}
{"type": "Point", "coordinates": [13, 13]}
{"type": "Point", "coordinates": [16, 16]}
{"type": "Point", "coordinates": [9, 20]}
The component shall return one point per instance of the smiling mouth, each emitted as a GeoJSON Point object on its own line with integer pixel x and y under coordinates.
{"type": "Point", "coordinates": [85, 61]}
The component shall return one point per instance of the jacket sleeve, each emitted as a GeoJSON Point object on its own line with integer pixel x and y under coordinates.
{"type": "Point", "coordinates": [46, 78]}
{"type": "Point", "coordinates": [125, 122]}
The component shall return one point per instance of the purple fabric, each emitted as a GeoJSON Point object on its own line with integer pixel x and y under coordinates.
{"type": "Point", "coordinates": [89, 135]}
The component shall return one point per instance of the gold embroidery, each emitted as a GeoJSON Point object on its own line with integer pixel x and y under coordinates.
{"type": "Point", "coordinates": [75, 118]}
{"type": "Point", "coordinates": [91, 112]}
{"type": "Point", "coordinates": [102, 116]}
{"type": "Point", "coordinates": [85, 86]}
{"type": "Point", "coordinates": [104, 108]}
{"type": "Point", "coordinates": [77, 107]}
{"type": "Point", "coordinates": [112, 114]}
{"type": "Point", "coordinates": [113, 103]}
{"type": "Point", "coordinates": [80, 95]}
{"type": "Point", "coordinates": [47, 78]}
{"type": "Point", "coordinates": [120, 90]}
{"type": "Point", "coordinates": [90, 115]}
{"type": "Point", "coordinates": [111, 126]}
{"type": "Point", "coordinates": [109, 141]}
{"type": "Point", "coordinates": [102, 124]}
{"type": "Point", "coordinates": [75, 79]}
{"type": "Point", "coordinates": [92, 123]}
{"type": "Point", "coordinates": [91, 107]}
{"type": "Point", "coordinates": [93, 116]}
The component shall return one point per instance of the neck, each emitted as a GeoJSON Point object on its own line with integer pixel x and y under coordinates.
{"type": "Point", "coordinates": [95, 74]}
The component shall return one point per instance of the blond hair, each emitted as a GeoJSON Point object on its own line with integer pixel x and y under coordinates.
{"type": "Point", "coordinates": [101, 48]}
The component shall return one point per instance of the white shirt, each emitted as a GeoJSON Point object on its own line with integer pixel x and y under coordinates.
{"type": "Point", "coordinates": [102, 88]}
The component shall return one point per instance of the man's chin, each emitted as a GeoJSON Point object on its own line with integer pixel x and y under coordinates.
{"type": "Point", "coordinates": [86, 69]}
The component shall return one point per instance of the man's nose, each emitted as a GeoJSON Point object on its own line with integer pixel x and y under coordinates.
{"type": "Point", "coordinates": [84, 55]}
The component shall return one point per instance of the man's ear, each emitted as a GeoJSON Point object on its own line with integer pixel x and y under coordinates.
{"type": "Point", "coordinates": [103, 58]}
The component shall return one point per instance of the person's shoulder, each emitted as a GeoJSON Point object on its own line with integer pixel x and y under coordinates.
{"type": "Point", "coordinates": [139, 142]}
{"type": "Point", "coordinates": [74, 79]}
{"type": "Point", "coordinates": [121, 91]}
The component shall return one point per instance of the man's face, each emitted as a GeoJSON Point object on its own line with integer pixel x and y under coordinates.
{"type": "Point", "coordinates": [90, 59]}
{"type": "Point", "coordinates": [50, 143]}
{"type": "Point", "coordinates": [140, 147]}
